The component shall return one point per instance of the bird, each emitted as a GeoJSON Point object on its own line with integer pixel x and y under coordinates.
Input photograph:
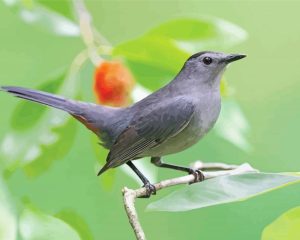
{"type": "Point", "coordinates": [168, 121]}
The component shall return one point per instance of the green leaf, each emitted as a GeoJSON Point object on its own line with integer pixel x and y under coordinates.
{"type": "Point", "coordinates": [151, 77]}
{"type": "Point", "coordinates": [8, 221]}
{"type": "Point", "coordinates": [220, 190]}
{"type": "Point", "coordinates": [65, 7]}
{"type": "Point", "coordinates": [77, 222]}
{"type": "Point", "coordinates": [232, 125]}
{"type": "Point", "coordinates": [35, 225]}
{"type": "Point", "coordinates": [39, 15]}
{"type": "Point", "coordinates": [154, 51]}
{"type": "Point", "coordinates": [194, 35]}
{"type": "Point", "coordinates": [153, 61]}
{"type": "Point", "coordinates": [156, 57]}
{"type": "Point", "coordinates": [47, 138]}
{"type": "Point", "coordinates": [284, 227]}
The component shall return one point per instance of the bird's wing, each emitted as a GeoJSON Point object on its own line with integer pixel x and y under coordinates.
{"type": "Point", "coordinates": [149, 128]}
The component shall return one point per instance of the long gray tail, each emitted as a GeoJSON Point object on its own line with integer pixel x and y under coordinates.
{"type": "Point", "coordinates": [52, 100]}
{"type": "Point", "coordinates": [97, 118]}
{"type": "Point", "coordinates": [91, 115]}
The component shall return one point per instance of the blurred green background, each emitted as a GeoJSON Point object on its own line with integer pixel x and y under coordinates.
{"type": "Point", "coordinates": [267, 89]}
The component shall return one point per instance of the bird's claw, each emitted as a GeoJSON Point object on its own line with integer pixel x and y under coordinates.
{"type": "Point", "coordinates": [199, 177]}
{"type": "Point", "coordinates": [150, 190]}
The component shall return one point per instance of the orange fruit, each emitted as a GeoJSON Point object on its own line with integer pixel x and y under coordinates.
{"type": "Point", "coordinates": [113, 84]}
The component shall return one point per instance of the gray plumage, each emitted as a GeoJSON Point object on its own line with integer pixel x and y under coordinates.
{"type": "Point", "coordinates": [167, 121]}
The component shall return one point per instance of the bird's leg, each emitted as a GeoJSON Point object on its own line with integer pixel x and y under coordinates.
{"type": "Point", "coordinates": [149, 187]}
{"type": "Point", "coordinates": [197, 173]}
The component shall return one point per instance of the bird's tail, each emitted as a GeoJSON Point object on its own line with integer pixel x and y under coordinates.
{"type": "Point", "coordinates": [95, 117]}
{"type": "Point", "coordinates": [52, 100]}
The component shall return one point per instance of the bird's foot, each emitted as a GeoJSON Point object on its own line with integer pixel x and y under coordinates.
{"type": "Point", "coordinates": [199, 176]}
{"type": "Point", "coordinates": [150, 190]}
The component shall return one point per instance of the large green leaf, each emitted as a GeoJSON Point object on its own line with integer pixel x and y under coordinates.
{"type": "Point", "coordinates": [40, 15]}
{"type": "Point", "coordinates": [35, 225]}
{"type": "Point", "coordinates": [149, 76]}
{"type": "Point", "coordinates": [36, 141]}
{"type": "Point", "coordinates": [194, 35]}
{"type": "Point", "coordinates": [220, 190]}
{"type": "Point", "coordinates": [159, 54]}
{"type": "Point", "coordinates": [284, 227]}
{"type": "Point", "coordinates": [155, 51]}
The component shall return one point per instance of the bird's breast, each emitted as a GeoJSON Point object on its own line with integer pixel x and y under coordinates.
{"type": "Point", "coordinates": [205, 116]}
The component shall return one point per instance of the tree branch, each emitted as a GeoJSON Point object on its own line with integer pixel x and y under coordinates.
{"type": "Point", "coordinates": [209, 170]}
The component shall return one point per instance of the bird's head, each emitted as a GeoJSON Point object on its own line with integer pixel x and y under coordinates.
{"type": "Point", "coordinates": [207, 67]}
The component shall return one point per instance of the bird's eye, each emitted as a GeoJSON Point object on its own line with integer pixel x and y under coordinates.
{"type": "Point", "coordinates": [207, 60]}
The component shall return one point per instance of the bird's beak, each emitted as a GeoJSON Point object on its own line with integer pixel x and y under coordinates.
{"type": "Point", "coordinates": [233, 57]}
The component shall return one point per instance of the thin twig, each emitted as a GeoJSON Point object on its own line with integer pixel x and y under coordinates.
{"type": "Point", "coordinates": [130, 195]}
{"type": "Point", "coordinates": [87, 31]}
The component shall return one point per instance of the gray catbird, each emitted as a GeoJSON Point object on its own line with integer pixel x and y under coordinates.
{"type": "Point", "coordinates": [168, 121]}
